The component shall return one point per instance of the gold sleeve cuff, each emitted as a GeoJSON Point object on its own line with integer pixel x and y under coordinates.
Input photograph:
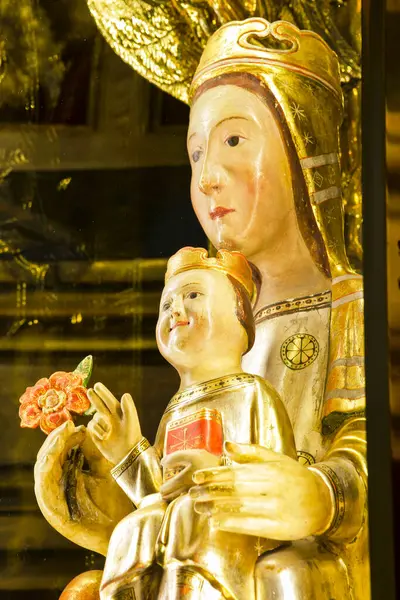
{"type": "Point", "coordinates": [337, 496]}
{"type": "Point", "coordinates": [139, 473]}
{"type": "Point", "coordinates": [349, 499]}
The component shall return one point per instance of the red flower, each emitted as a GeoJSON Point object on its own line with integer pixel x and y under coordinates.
{"type": "Point", "coordinates": [49, 402]}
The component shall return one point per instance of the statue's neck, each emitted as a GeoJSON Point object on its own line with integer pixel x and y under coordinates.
{"type": "Point", "coordinates": [207, 370]}
{"type": "Point", "coordinates": [288, 271]}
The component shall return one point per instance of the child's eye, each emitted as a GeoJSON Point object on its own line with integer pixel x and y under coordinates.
{"type": "Point", "coordinates": [166, 306]}
{"type": "Point", "coordinates": [196, 156]}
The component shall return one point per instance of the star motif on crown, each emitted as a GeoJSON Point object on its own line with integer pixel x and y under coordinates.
{"type": "Point", "coordinates": [308, 139]}
{"type": "Point", "coordinates": [330, 219]}
{"type": "Point", "coordinates": [330, 213]}
{"type": "Point", "coordinates": [297, 111]}
{"type": "Point", "coordinates": [310, 88]}
{"type": "Point", "coordinates": [330, 245]}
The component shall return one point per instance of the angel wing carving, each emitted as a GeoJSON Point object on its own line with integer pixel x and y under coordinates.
{"type": "Point", "coordinates": [163, 39]}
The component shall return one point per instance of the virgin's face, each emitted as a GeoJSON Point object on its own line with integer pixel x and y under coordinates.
{"type": "Point", "coordinates": [241, 186]}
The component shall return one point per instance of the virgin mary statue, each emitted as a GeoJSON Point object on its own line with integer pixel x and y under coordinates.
{"type": "Point", "coordinates": [266, 106]}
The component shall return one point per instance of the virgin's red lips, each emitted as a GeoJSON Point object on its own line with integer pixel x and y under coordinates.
{"type": "Point", "coordinates": [220, 211]}
{"type": "Point", "coordinates": [179, 324]}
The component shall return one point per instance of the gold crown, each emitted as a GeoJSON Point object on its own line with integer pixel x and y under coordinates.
{"type": "Point", "coordinates": [237, 45]}
{"type": "Point", "coordinates": [228, 262]}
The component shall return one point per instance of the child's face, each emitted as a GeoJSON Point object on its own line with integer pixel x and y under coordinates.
{"type": "Point", "coordinates": [197, 319]}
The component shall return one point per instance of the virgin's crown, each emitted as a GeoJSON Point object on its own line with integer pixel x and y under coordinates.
{"type": "Point", "coordinates": [241, 44]}
{"type": "Point", "coordinates": [228, 262]}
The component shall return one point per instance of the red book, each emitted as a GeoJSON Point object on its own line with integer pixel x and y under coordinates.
{"type": "Point", "coordinates": [200, 430]}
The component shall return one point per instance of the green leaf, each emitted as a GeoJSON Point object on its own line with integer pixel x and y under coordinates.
{"type": "Point", "coordinates": [84, 369]}
{"type": "Point", "coordinates": [90, 411]}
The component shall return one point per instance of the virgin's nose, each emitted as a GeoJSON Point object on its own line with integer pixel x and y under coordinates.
{"type": "Point", "coordinates": [212, 178]}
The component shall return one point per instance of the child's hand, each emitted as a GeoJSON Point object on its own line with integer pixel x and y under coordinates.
{"type": "Point", "coordinates": [115, 427]}
{"type": "Point", "coordinates": [191, 461]}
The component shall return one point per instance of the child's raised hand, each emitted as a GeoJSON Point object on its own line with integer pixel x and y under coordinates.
{"type": "Point", "coordinates": [115, 427]}
{"type": "Point", "coordinates": [190, 461]}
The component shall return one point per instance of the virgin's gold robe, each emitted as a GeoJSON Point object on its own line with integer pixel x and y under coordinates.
{"type": "Point", "coordinates": [311, 349]}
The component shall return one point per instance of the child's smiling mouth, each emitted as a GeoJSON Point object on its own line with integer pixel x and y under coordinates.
{"type": "Point", "coordinates": [179, 324]}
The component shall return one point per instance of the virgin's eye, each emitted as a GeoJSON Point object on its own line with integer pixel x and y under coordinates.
{"type": "Point", "coordinates": [193, 295]}
{"type": "Point", "coordinates": [196, 155]}
{"type": "Point", "coordinates": [233, 140]}
{"type": "Point", "coordinates": [166, 306]}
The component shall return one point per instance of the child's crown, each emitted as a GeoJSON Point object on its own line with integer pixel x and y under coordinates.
{"type": "Point", "coordinates": [228, 262]}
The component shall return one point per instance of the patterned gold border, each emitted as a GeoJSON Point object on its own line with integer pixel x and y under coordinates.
{"type": "Point", "coordinates": [130, 458]}
{"type": "Point", "coordinates": [214, 385]}
{"type": "Point", "coordinates": [306, 457]}
{"type": "Point", "coordinates": [338, 494]}
{"type": "Point", "coordinates": [207, 414]}
{"type": "Point", "coordinates": [305, 303]}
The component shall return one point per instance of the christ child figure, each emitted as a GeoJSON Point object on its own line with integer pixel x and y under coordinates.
{"type": "Point", "coordinates": [169, 547]}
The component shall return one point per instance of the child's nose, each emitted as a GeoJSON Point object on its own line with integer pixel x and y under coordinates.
{"type": "Point", "coordinates": [178, 308]}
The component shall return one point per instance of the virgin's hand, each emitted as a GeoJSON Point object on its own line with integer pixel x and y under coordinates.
{"type": "Point", "coordinates": [84, 505]}
{"type": "Point", "coordinates": [115, 427]}
{"type": "Point", "coordinates": [190, 461]}
{"type": "Point", "coordinates": [266, 494]}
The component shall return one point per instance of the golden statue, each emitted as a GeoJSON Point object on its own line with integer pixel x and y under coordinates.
{"type": "Point", "coordinates": [266, 106]}
{"type": "Point", "coordinates": [163, 41]}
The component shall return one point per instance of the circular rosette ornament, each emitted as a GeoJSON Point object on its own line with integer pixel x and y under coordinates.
{"type": "Point", "coordinates": [50, 402]}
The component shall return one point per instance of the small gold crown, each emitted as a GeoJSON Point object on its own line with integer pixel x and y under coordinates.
{"type": "Point", "coordinates": [229, 262]}
{"type": "Point", "coordinates": [237, 45]}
